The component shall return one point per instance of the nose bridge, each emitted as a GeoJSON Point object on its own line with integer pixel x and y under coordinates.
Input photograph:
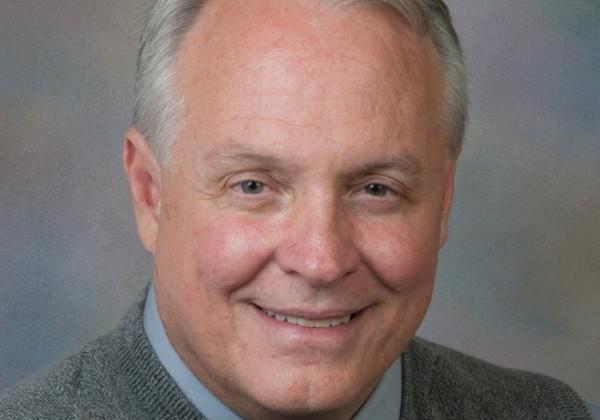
{"type": "Point", "coordinates": [318, 244]}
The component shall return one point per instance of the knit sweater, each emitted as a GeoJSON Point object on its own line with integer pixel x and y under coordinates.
{"type": "Point", "coordinates": [118, 376]}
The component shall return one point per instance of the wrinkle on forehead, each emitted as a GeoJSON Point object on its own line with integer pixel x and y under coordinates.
{"type": "Point", "coordinates": [366, 63]}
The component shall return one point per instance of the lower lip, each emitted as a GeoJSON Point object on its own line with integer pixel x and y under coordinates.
{"type": "Point", "coordinates": [308, 335]}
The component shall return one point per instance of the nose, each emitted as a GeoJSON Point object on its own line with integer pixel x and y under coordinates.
{"type": "Point", "coordinates": [318, 244]}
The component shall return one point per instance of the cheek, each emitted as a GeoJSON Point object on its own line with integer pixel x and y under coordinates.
{"type": "Point", "coordinates": [403, 258]}
{"type": "Point", "coordinates": [229, 252]}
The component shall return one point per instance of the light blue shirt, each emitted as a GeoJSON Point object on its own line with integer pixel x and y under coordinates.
{"type": "Point", "coordinates": [383, 404]}
{"type": "Point", "coordinates": [594, 410]}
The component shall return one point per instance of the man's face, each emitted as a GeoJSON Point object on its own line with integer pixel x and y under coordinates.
{"type": "Point", "coordinates": [304, 205]}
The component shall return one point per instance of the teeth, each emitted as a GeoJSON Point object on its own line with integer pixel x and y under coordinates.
{"type": "Point", "coordinates": [309, 323]}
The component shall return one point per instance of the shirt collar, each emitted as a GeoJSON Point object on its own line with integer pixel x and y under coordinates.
{"type": "Point", "coordinates": [210, 406]}
{"type": "Point", "coordinates": [384, 403]}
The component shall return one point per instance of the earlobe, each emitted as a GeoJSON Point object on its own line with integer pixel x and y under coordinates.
{"type": "Point", "coordinates": [447, 203]}
{"type": "Point", "coordinates": [144, 176]}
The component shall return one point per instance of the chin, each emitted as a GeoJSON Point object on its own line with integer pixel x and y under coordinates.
{"type": "Point", "coordinates": [312, 392]}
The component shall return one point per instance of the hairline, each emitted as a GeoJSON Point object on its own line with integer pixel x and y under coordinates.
{"type": "Point", "coordinates": [162, 126]}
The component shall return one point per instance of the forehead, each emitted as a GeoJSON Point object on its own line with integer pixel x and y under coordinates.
{"type": "Point", "coordinates": [240, 35]}
{"type": "Point", "coordinates": [308, 64]}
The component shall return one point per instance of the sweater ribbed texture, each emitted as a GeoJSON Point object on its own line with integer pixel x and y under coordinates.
{"type": "Point", "coordinates": [446, 384]}
{"type": "Point", "coordinates": [119, 377]}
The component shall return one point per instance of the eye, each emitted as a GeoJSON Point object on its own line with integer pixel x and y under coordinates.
{"type": "Point", "coordinates": [252, 187]}
{"type": "Point", "coordinates": [377, 190]}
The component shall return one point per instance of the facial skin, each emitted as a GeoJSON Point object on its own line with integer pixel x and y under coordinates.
{"type": "Point", "coordinates": [310, 178]}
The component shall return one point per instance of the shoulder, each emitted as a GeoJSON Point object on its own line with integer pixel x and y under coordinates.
{"type": "Point", "coordinates": [455, 384]}
{"type": "Point", "coordinates": [117, 376]}
{"type": "Point", "coordinates": [69, 389]}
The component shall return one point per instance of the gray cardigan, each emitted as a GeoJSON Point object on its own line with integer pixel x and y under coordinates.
{"type": "Point", "coordinates": [119, 377]}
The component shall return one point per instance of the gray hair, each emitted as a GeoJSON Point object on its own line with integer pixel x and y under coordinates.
{"type": "Point", "coordinates": [158, 108]}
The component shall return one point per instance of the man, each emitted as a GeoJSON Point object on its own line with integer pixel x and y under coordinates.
{"type": "Point", "coordinates": [291, 166]}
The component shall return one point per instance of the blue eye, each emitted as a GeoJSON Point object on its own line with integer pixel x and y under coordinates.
{"type": "Point", "coordinates": [377, 190]}
{"type": "Point", "coordinates": [252, 187]}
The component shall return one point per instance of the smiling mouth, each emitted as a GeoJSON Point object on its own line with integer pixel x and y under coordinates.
{"type": "Point", "coordinates": [309, 323]}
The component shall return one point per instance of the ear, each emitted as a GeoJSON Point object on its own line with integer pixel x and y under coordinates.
{"type": "Point", "coordinates": [144, 175]}
{"type": "Point", "coordinates": [447, 201]}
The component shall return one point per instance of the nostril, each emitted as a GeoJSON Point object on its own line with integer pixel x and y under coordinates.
{"type": "Point", "coordinates": [317, 255]}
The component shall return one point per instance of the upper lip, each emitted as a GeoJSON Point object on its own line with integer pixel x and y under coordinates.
{"type": "Point", "coordinates": [311, 314]}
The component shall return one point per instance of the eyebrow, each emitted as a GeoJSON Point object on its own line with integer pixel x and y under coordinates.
{"type": "Point", "coordinates": [406, 164]}
{"type": "Point", "coordinates": [238, 155]}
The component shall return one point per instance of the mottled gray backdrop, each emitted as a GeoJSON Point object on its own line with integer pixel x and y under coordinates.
{"type": "Point", "coordinates": [518, 281]}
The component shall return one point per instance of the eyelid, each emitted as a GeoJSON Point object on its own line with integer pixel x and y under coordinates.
{"type": "Point", "coordinates": [239, 182]}
{"type": "Point", "coordinates": [245, 175]}
{"type": "Point", "coordinates": [270, 183]}
{"type": "Point", "coordinates": [394, 186]}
